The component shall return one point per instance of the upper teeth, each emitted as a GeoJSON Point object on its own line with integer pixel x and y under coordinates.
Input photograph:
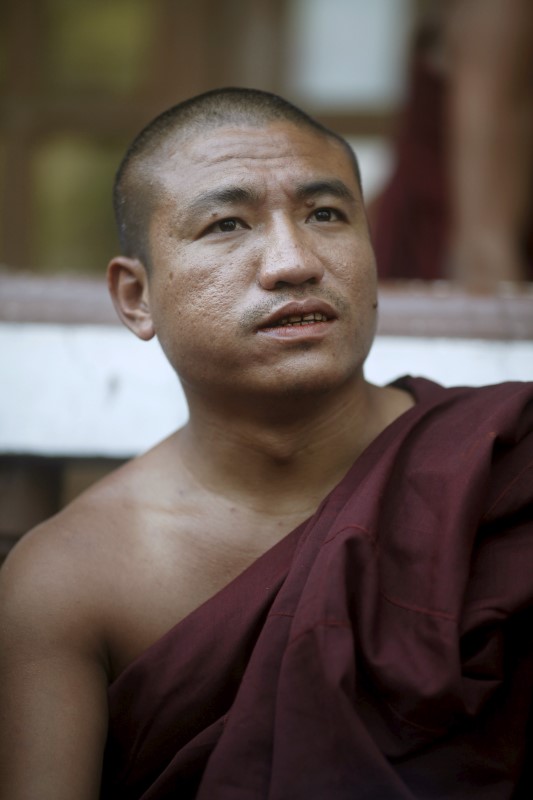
{"type": "Point", "coordinates": [303, 319]}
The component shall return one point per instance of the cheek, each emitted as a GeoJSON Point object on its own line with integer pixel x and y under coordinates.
{"type": "Point", "coordinates": [193, 308]}
{"type": "Point", "coordinates": [200, 281]}
{"type": "Point", "coordinates": [355, 268]}
{"type": "Point", "coordinates": [193, 292]}
{"type": "Point", "coordinates": [356, 275]}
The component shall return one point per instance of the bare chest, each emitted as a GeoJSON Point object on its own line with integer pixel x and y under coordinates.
{"type": "Point", "coordinates": [174, 566]}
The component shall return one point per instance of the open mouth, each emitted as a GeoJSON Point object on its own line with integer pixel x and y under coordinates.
{"type": "Point", "coordinates": [306, 320]}
{"type": "Point", "coordinates": [299, 319]}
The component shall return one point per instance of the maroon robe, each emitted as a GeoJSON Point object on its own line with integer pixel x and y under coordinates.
{"type": "Point", "coordinates": [410, 219]}
{"type": "Point", "coordinates": [382, 650]}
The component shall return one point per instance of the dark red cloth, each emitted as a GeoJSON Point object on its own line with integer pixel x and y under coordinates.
{"type": "Point", "coordinates": [410, 219]}
{"type": "Point", "coordinates": [382, 650]}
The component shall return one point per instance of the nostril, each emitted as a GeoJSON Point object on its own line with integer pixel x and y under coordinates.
{"type": "Point", "coordinates": [289, 266]}
{"type": "Point", "coordinates": [283, 284]}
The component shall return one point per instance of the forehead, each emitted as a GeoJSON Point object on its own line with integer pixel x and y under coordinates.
{"type": "Point", "coordinates": [272, 156]}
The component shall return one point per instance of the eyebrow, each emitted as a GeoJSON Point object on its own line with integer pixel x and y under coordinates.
{"type": "Point", "coordinates": [224, 197]}
{"type": "Point", "coordinates": [334, 187]}
{"type": "Point", "coordinates": [228, 195]}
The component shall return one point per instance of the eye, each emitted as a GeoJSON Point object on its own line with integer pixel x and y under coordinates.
{"type": "Point", "coordinates": [326, 215]}
{"type": "Point", "coordinates": [228, 225]}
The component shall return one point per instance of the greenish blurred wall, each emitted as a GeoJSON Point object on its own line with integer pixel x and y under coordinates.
{"type": "Point", "coordinates": [78, 78]}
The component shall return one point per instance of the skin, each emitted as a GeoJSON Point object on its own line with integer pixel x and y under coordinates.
{"type": "Point", "coordinates": [277, 416]}
{"type": "Point", "coordinates": [489, 44]}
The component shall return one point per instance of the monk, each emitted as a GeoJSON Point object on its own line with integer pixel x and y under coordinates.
{"type": "Point", "coordinates": [459, 204]}
{"type": "Point", "coordinates": [318, 588]}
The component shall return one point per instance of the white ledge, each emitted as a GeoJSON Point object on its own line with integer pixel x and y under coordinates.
{"type": "Point", "coordinates": [96, 390]}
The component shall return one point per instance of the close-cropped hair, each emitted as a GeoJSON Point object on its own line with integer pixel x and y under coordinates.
{"type": "Point", "coordinates": [212, 109]}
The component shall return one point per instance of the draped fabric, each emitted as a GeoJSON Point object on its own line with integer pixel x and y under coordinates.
{"type": "Point", "coordinates": [410, 220]}
{"type": "Point", "coordinates": [382, 650]}
{"type": "Point", "coordinates": [411, 217]}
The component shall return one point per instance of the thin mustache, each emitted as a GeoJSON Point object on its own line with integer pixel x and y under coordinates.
{"type": "Point", "coordinates": [254, 316]}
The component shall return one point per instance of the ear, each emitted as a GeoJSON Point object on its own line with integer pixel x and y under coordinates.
{"type": "Point", "coordinates": [128, 285]}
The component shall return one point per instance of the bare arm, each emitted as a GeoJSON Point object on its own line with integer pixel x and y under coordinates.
{"type": "Point", "coordinates": [490, 51]}
{"type": "Point", "coordinates": [53, 681]}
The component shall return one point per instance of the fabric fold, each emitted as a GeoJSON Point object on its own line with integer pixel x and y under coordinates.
{"type": "Point", "coordinates": [384, 646]}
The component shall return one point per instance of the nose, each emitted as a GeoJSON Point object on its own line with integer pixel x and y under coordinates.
{"type": "Point", "coordinates": [287, 258]}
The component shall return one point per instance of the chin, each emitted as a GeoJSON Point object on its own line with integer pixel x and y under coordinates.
{"type": "Point", "coordinates": [309, 383]}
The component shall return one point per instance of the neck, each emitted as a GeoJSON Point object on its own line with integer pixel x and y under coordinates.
{"type": "Point", "coordinates": [287, 452]}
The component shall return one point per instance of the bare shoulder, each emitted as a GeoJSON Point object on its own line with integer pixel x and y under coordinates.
{"type": "Point", "coordinates": [389, 403]}
{"type": "Point", "coordinates": [54, 659]}
{"type": "Point", "coordinates": [55, 580]}
{"type": "Point", "coordinates": [71, 619]}
{"type": "Point", "coordinates": [49, 584]}
{"type": "Point", "coordinates": [100, 576]}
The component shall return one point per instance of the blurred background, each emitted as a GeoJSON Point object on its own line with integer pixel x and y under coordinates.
{"type": "Point", "coordinates": [436, 98]}
{"type": "Point", "coordinates": [80, 77]}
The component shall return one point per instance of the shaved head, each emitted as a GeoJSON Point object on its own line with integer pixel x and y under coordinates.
{"type": "Point", "coordinates": [136, 182]}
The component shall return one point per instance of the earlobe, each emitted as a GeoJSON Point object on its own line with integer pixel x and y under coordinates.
{"type": "Point", "coordinates": [128, 285]}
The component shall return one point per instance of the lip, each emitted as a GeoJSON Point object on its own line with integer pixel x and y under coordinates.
{"type": "Point", "coordinates": [298, 308]}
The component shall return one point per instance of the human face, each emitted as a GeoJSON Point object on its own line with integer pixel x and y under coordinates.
{"type": "Point", "coordinates": [263, 276]}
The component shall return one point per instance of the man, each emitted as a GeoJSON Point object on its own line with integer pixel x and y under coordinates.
{"type": "Point", "coordinates": [460, 201]}
{"type": "Point", "coordinates": [318, 588]}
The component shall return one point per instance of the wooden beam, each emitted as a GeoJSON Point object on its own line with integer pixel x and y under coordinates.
{"type": "Point", "coordinates": [406, 308]}
{"type": "Point", "coordinates": [29, 493]}
{"type": "Point", "coordinates": [23, 40]}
